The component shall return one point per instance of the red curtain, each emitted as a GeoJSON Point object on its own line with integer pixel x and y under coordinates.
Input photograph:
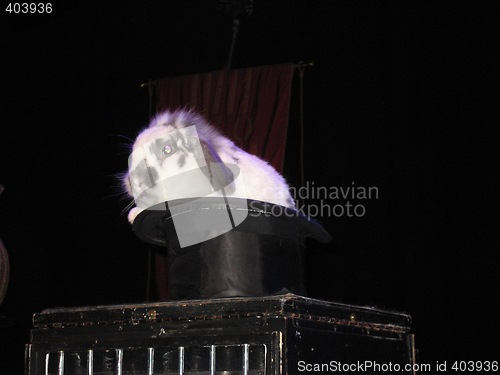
{"type": "Point", "coordinates": [250, 106]}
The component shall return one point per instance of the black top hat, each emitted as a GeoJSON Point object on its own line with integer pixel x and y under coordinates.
{"type": "Point", "coordinates": [235, 247]}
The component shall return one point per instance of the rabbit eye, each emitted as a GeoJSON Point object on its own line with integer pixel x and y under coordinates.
{"type": "Point", "coordinates": [167, 150]}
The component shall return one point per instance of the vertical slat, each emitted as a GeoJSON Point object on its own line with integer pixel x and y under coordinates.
{"type": "Point", "coordinates": [246, 354]}
{"type": "Point", "coordinates": [212, 359]}
{"type": "Point", "coordinates": [151, 360]}
{"type": "Point", "coordinates": [276, 351]}
{"type": "Point", "coordinates": [413, 354]}
{"type": "Point", "coordinates": [265, 359]}
{"type": "Point", "coordinates": [47, 356]}
{"type": "Point", "coordinates": [90, 362]}
{"type": "Point", "coordinates": [27, 360]}
{"type": "Point", "coordinates": [60, 367]}
{"type": "Point", "coordinates": [181, 360]}
{"type": "Point", "coordinates": [119, 361]}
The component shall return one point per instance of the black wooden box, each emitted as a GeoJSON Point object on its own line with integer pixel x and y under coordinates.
{"type": "Point", "coordinates": [283, 334]}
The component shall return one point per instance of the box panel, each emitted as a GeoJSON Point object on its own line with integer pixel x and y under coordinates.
{"type": "Point", "coordinates": [269, 335]}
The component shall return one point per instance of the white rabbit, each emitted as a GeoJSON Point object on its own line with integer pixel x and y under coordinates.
{"type": "Point", "coordinates": [179, 155]}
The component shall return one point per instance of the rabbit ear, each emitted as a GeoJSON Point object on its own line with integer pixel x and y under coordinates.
{"type": "Point", "coordinates": [216, 171]}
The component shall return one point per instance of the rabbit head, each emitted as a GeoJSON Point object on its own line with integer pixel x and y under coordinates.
{"type": "Point", "coordinates": [174, 158]}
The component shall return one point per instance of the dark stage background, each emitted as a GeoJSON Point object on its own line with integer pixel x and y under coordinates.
{"type": "Point", "coordinates": [399, 98]}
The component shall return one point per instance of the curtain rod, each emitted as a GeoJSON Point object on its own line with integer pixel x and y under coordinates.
{"type": "Point", "coordinates": [300, 64]}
